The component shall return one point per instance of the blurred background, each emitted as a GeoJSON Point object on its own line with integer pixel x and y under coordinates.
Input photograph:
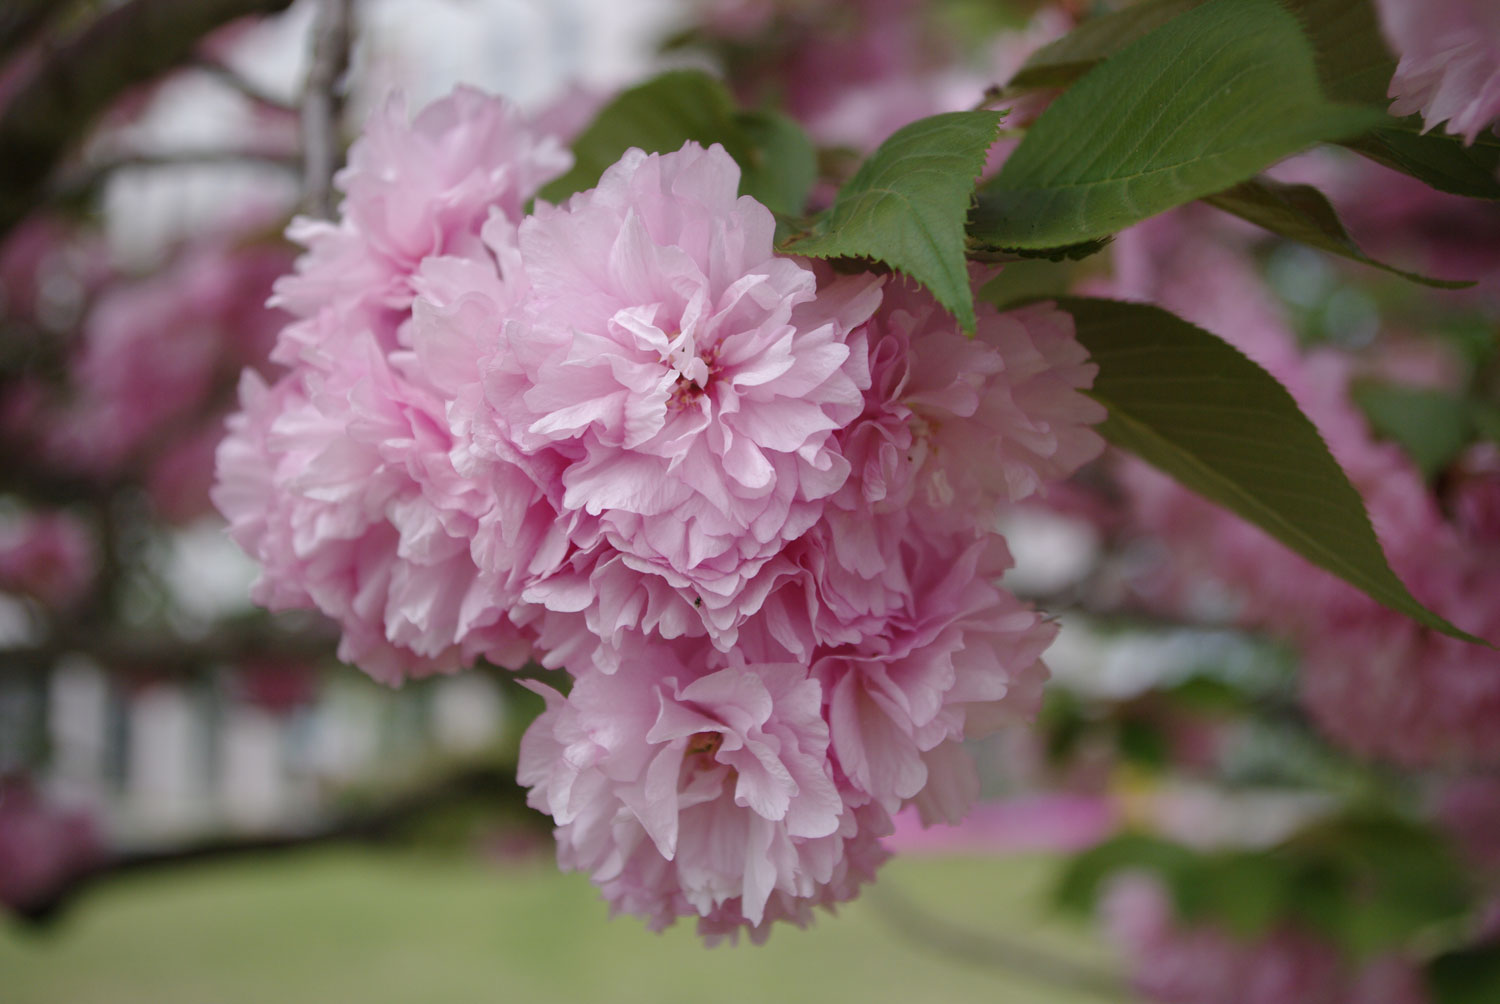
{"type": "Point", "coordinates": [1240, 773]}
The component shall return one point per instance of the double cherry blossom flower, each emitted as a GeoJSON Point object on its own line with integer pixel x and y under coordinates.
{"type": "Point", "coordinates": [747, 504]}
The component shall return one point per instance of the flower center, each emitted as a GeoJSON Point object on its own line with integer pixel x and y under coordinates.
{"type": "Point", "coordinates": [695, 373]}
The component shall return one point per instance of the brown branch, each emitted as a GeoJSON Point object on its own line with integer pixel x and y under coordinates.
{"type": "Point", "coordinates": [131, 44]}
{"type": "Point", "coordinates": [323, 105]}
{"type": "Point", "coordinates": [494, 786]}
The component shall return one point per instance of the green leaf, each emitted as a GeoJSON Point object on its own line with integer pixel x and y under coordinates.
{"type": "Point", "coordinates": [1194, 406]}
{"type": "Point", "coordinates": [1440, 160]}
{"type": "Point", "coordinates": [1082, 881]}
{"type": "Point", "coordinates": [1302, 213]}
{"type": "Point", "coordinates": [1353, 62]}
{"type": "Point", "coordinates": [1468, 976]}
{"type": "Point", "coordinates": [1247, 893]}
{"type": "Point", "coordinates": [906, 206]}
{"type": "Point", "coordinates": [783, 165]}
{"type": "Point", "coordinates": [1059, 63]}
{"type": "Point", "coordinates": [1431, 426]}
{"type": "Point", "coordinates": [777, 162]}
{"type": "Point", "coordinates": [1199, 104]}
{"type": "Point", "coordinates": [1391, 879]}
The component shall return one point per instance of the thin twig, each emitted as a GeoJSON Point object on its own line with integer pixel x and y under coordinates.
{"type": "Point", "coordinates": [240, 84]}
{"type": "Point", "coordinates": [1027, 961]}
{"type": "Point", "coordinates": [82, 76]}
{"type": "Point", "coordinates": [323, 104]}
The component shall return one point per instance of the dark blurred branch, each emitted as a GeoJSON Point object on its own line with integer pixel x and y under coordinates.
{"type": "Point", "coordinates": [157, 655]}
{"type": "Point", "coordinates": [323, 105]}
{"type": "Point", "coordinates": [20, 20]}
{"type": "Point", "coordinates": [495, 787]}
{"type": "Point", "coordinates": [73, 184]}
{"type": "Point", "coordinates": [241, 84]}
{"type": "Point", "coordinates": [84, 74]}
{"type": "Point", "coordinates": [927, 930]}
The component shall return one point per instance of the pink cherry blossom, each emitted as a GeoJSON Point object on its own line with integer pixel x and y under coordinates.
{"type": "Point", "coordinates": [330, 485]}
{"type": "Point", "coordinates": [412, 189]}
{"type": "Point", "coordinates": [690, 380]}
{"type": "Point", "coordinates": [688, 791]}
{"type": "Point", "coordinates": [1450, 62]}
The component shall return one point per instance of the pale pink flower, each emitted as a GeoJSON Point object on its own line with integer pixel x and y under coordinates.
{"type": "Point", "coordinates": [690, 380]}
{"type": "Point", "coordinates": [342, 489]}
{"type": "Point", "coordinates": [685, 790]}
{"type": "Point", "coordinates": [958, 658]}
{"type": "Point", "coordinates": [1450, 62]}
{"type": "Point", "coordinates": [413, 189]}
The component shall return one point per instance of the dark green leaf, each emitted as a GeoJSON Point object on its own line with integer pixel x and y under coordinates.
{"type": "Point", "coordinates": [1246, 893]}
{"type": "Point", "coordinates": [1440, 160]}
{"type": "Point", "coordinates": [783, 165]}
{"type": "Point", "coordinates": [1470, 976]}
{"type": "Point", "coordinates": [1486, 419]}
{"type": "Point", "coordinates": [1302, 213]}
{"type": "Point", "coordinates": [1353, 62]}
{"type": "Point", "coordinates": [906, 205]}
{"type": "Point", "coordinates": [658, 116]}
{"type": "Point", "coordinates": [1085, 876]}
{"type": "Point", "coordinates": [1432, 426]}
{"type": "Point", "coordinates": [1059, 63]}
{"type": "Point", "coordinates": [1392, 880]}
{"type": "Point", "coordinates": [1195, 407]}
{"type": "Point", "coordinates": [777, 162]}
{"type": "Point", "coordinates": [1195, 106]}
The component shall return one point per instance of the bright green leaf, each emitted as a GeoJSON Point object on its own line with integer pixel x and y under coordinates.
{"type": "Point", "coordinates": [1188, 402]}
{"type": "Point", "coordinates": [1199, 104]}
{"type": "Point", "coordinates": [907, 203]}
{"type": "Point", "coordinates": [1059, 63]}
{"type": "Point", "coordinates": [1302, 213]}
{"type": "Point", "coordinates": [1431, 426]}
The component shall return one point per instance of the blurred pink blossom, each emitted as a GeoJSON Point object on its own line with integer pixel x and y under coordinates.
{"type": "Point", "coordinates": [51, 557]}
{"type": "Point", "coordinates": [1180, 964]}
{"type": "Point", "coordinates": [1450, 62]}
{"type": "Point", "coordinates": [42, 845]}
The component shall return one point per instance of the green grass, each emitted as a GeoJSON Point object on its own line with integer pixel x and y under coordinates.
{"type": "Point", "coordinates": [372, 927]}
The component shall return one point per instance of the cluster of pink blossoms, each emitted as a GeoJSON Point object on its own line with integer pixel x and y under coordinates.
{"type": "Point", "coordinates": [746, 503]}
